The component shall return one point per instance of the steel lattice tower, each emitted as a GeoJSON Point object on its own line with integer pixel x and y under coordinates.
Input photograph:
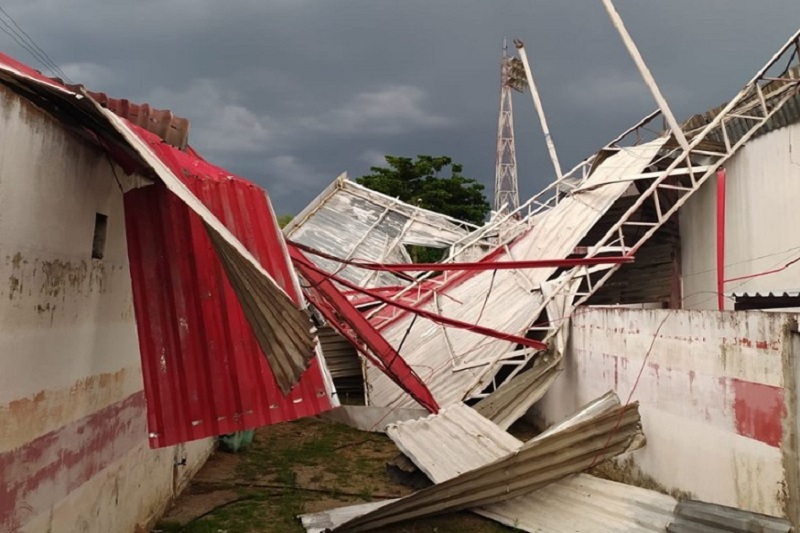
{"type": "Point", "coordinates": [506, 188]}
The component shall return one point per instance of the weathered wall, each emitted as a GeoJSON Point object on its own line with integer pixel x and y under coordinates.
{"type": "Point", "coordinates": [711, 394]}
{"type": "Point", "coordinates": [762, 188]}
{"type": "Point", "coordinates": [73, 441]}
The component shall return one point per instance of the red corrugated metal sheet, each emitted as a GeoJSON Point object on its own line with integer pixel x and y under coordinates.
{"type": "Point", "coordinates": [204, 371]}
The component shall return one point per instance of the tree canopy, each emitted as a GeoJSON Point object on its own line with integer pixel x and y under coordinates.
{"type": "Point", "coordinates": [283, 220]}
{"type": "Point", "coordinates": [420, 182]}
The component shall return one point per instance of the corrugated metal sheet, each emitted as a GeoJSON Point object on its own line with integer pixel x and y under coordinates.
{"type": "Point", "coordinates": [655, 274]}
{"type": "Point", "coordinates": [340, 355]}
{"type": "Point", "coordinates": [269, 316]}
{"type": "Point", "coordinates": [172, 129]}
{"type": "Point", "coordinates": [283, 328]}
{"type": "Point", "coordinates": [454, 363]}
{"type": "Point", "coordinates": [513, 399]}
{"type": "Point", "coordinates": [532, 466]}
{"type": "Point", "coordinates": [767, 300]}
{"type": "Point", "coordinates": [326, 520]}
{"type": "Point", "coordinates": [577, 504]}
{"type": "Point", "coordinates": [699, 517]}
{"type": "Point", "coordinates": [787, 115]}
{"type": "Point", "coordinates": [586, 504]}
{"type": "Point", "coordinates": [204, 371]}
{"type": "Point", "coordinates": [206, 396]}
{"type": "Point", "coordinates": [466, 441]}
{"type": "Point", "coordinates": [350, 221]}
{"type": "Point", "coordinates": [766, 294]}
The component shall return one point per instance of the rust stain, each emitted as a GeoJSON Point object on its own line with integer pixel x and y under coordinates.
{"type": "Point", "coordinates": [27, 418]}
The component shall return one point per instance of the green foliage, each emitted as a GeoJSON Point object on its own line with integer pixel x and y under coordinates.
{"type": "Point", "coordinates": [283, 220]}
{"type": "Point", "coordinates": [419, 182]}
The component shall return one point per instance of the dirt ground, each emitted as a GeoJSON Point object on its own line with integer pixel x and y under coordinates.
{"type": "Point", "coordinates": [298, 467]}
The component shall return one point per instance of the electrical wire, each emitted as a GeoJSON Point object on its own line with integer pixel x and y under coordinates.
{"type": "Point", "coordinates": [26, 42]}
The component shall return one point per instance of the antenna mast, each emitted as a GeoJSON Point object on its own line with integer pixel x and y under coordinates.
{"type": "Point", "coordinates": [506, 187]}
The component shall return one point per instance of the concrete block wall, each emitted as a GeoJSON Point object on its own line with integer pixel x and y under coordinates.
{"type": "Point", "coordinates": [73, 439]}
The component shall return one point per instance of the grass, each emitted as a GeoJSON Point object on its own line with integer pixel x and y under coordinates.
{"type": "Point", "coordinates": [311, 465]}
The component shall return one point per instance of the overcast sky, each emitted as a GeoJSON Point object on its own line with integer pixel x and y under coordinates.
{"type": "Point", "coordinates": [289, 93]}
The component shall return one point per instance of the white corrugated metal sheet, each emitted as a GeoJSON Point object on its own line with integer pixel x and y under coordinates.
{"type": "Point", "coordinates": [514, 297]}
{"type": "Point", "coordinates": [579, 503]}
{"type": "Point", "coordinates": [350, 221]}
{"type": "Point", "coordinates": [586, 504]}
{"type": "Point", "coordinates": [465, 440]}
{"type": "Point", "coordinates": [326, 520]}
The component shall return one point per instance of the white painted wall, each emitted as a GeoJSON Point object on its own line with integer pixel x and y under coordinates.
{"type": "Point", "coordinates": [707, 386]}
{"type": "Point", "coordinates": [763, 188]}
{"type": "Point", "coordinates": [68, 343]}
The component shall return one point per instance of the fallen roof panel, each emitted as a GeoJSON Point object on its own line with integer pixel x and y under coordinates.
{"type": "Point", "coordinates": [534, 465]}
{"type": "Point", "coordinates": [456, 364]}
{"type": "Point", "coordinates": [350, 221]}
{"type": "Point", "coordinates": [287, 342]}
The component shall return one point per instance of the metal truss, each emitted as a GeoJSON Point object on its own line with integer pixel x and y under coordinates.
{"type": "Point", "coordinates": [708, 147]}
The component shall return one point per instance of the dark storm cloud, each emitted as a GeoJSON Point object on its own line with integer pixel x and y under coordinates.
{"type": "Point", "coordinates": [289, 93]}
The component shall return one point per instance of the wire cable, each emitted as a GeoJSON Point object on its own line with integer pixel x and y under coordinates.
{"type": "Point", "coordinates": [29, 45]}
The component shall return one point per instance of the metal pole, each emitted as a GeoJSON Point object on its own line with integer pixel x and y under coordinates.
{"type": "Point", "coordinates": [551, 148]}
{"type": "Point", "coordinates": [645, 72]}
{"type": "Point", "coordinates": [721, 239]}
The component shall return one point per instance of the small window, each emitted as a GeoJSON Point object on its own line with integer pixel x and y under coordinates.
{"type": "Point", "coordinates": [99, 242]}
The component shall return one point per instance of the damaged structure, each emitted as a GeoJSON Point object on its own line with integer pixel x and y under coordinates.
{"type": "Point", "coordinates": [169, 308]}
{"type": "Point", "coordinates": [717, 388]}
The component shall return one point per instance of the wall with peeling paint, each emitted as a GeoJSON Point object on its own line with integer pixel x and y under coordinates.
{"type": "Point", "coordinates": [711, 388]}
{"type": "Point", "coordinates": [73, 441]}
{"type": "Point", "coordinates": [762, 187]}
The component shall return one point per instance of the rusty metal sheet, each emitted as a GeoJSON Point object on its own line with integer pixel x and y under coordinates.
{"type": "Point", "coordinates": [350, 221]}
{"type": "Point", "coordinates": [264, 309]}
{"type": "Point", "coordinates": [172, 129]}
{"type": "Point", "coordinates": [736, 127]}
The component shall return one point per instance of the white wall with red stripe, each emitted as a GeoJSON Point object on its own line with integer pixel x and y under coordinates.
{"type": "Point", "coordinates": [74, 454]}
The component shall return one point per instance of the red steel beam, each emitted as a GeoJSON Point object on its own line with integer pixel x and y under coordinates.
{"type": "Point", "coordinates": [483, 265]}
{"type": "Point", "coordinates": [721, 239]}
{"type": "Point", "coordinates": [303, 264]}
{"type": "Point", "coordinates": [349, 322]}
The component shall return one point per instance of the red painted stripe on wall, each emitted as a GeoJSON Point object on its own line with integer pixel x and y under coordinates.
{"type": "Point", "coordinates": [36, 476]}
{"type": "Point", "coordinates": [746, 408]}
{"type": "Point", "coordinates": [759, 411]}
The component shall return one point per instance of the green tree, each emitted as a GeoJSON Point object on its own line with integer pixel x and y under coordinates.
{"type": "Point", "coordinates": [420, 182]}
{"type": "Point", "coordinates": [284, 219]}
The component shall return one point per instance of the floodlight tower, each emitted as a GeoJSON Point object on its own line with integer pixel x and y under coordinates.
{"type": "Point", "coordinates": [506, 187]}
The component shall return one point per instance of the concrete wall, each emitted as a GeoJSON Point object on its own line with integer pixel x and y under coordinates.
{"type": "Point", "coordinates": [763, 185]}
{"type": "Point", "coordinates": [73, 439]}
{"type": "Point", "coordinates": [712, 399]}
